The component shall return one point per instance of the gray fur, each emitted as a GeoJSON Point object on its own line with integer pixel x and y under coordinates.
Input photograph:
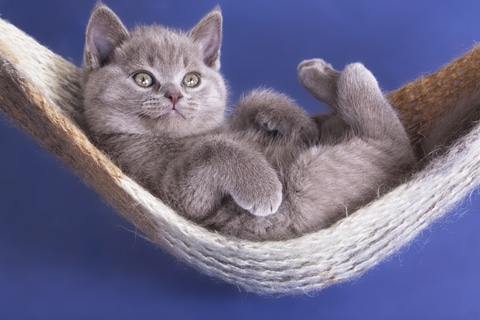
{"type": "Point", "coordinates": [269, 171]}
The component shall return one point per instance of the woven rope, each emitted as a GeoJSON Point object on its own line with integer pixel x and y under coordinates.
{"type": "Point", "coordinates": [40, 92]}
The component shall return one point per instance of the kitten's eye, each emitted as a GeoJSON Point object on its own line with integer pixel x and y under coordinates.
{"type": "Point", "coordinates": [191, 80]}
{"type": "Point", "coordinates": [143, 79]}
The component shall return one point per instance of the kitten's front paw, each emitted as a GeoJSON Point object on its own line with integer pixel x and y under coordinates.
{"type": "Point", "coordinates": [291, 124]}
{"type": "Point", "coordinates": [276, 115]}
{"type": "Point", "coordinates": [319, 78]}
{"type": "Point", "coordinates": [262, 196]}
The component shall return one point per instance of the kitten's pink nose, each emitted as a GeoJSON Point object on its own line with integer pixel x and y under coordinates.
{"type": "Point", "coordinates": [174, 96]}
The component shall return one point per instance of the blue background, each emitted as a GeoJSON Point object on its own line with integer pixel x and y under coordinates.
{"type": "Point", "coordinates": [64, 254]}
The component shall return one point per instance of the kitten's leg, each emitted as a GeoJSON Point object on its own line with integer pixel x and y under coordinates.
{"type": "Point", "coordinates": [328, 182]}
{"type": "Point", "coordinates": [366, 110]}
{"type": "Point", "coordinates": [220, 167]}
{"type": "Point", "coordinates": [320, 79]}
{"type": "Point", "coordinates": [356, 97]}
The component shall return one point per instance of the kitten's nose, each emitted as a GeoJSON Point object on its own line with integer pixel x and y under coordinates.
{"type": "Point", "coordinates": [173, 96]}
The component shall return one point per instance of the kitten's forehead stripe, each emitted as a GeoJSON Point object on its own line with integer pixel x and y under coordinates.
{"type": "Point", "coordinates": [151, 60]}
{"type": "Point", "coordinates": [186, 62]}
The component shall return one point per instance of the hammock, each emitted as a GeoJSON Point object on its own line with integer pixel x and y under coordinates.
{"type": "Point", "coordinates": [40, 91]}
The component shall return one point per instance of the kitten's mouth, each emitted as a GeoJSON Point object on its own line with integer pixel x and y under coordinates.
{"type": "Point", "coordinates": [169, 114]}
{"type": "Point", "coordinates": [156, 114]}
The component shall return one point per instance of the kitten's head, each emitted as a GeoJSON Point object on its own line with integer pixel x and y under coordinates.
{"type": "Point", "coordinates": [153, 80]}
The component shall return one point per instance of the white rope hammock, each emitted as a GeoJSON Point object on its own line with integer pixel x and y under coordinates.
{"type": "Point", "coordinates": [40, 91]}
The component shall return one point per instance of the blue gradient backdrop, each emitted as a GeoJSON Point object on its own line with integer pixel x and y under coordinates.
{"type": "Point", "coordinates": [64, 254]}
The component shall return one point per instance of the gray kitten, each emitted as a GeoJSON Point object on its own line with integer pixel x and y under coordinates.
{"type": "Point", "coordinates": [155, 102]}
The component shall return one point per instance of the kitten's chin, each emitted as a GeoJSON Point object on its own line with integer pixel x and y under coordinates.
{"type": "Point", "coordinates": [175, 125]}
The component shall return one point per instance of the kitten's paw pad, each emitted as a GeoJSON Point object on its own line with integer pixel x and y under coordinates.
{"type": "Point", "coordinates": [319, 78]}
{"type": "Point", "coordinates": [315, 67]}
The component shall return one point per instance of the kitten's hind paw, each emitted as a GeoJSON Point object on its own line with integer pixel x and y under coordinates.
{"type": "Point", "coordinates": [320, 65]}
{"type": "Point", "coordinates": [357, 82]}
{"type": "Point", "coordinates": [319, 78]}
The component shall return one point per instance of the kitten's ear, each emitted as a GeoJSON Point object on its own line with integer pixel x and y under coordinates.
{"type": "Point", "coordinates": [105, 32]}
{"type": "Point", "coordinates": [208, 33]}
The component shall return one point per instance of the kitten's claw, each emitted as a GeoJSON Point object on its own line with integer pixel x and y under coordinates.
{"type": "Point", "coordinates": [319, 78]}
